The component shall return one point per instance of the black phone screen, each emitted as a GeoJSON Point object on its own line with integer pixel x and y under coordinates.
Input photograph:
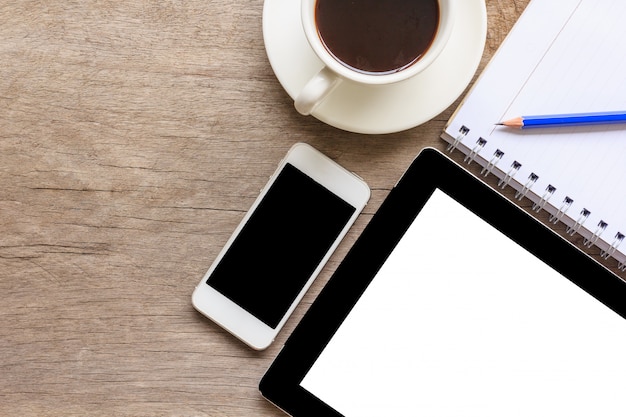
{"type": "Point", "coordinates": [281, 245]}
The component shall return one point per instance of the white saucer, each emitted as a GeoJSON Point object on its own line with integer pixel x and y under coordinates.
{"type": "Point", "coordinates": [377, 109]}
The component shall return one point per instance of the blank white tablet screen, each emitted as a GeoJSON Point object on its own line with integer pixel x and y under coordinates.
{"type": "Point", "coordinates": [461, 321]}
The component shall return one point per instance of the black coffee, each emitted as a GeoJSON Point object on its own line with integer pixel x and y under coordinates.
{"type": "Point", "coordinates": [377, 36]}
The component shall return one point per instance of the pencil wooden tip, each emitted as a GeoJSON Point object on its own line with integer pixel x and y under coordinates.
{"type": "Point", "coordinates": [517, 122]}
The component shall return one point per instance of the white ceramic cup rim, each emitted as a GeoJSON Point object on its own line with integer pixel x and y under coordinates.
{"type": "Point", "coordinates": [446, 22]}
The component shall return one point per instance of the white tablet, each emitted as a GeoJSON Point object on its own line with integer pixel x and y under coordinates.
{"type": "Point", "coordinates": [454, 302]}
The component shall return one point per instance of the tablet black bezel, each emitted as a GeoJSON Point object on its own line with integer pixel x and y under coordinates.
{"type": "Point", "coordinates": [429, 171]}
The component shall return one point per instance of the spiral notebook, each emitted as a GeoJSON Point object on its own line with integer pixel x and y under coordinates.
{"type": "Point", "coordinates": [560, 57]}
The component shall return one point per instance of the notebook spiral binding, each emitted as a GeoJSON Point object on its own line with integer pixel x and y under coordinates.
{"type": "Point", "coordinates": [480, 144]}
{"type": "Point", "coordinates": [497, 155]}
{"type": "Point", "coordinates": [463, 131]}
{"type": "Point", "coordinates": [555, 218]}
{"type": "Point", "coordinates": [596, 235]}
{"type": "Point", "coordinates": [584, 214]}
{"type": "Point", "coordinates": [619, 238]}
{"type": "Point", "coordinates": [532, 179]}
{"type": "Point", "coordinates": [537, 207]}
{"type": "Point", "coordinates": [515, 166]}
{"type": "Point", "coordinates": [567, 203]}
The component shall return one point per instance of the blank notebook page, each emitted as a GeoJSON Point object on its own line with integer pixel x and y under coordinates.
{"type": "Point", "coordinates": [561, 57]}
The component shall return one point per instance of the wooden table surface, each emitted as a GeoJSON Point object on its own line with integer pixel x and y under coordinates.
{"type": "Point", "coordinates": [133, 137]}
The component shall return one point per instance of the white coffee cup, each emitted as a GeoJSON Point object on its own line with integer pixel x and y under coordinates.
{"type": "Point", "coordinates": [335, 71]}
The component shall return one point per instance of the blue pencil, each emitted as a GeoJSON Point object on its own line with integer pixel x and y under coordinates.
{"type": "Point", "coordinates": [574, 119]}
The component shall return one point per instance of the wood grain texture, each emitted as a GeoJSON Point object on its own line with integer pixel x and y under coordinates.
{"type": "Point", "coordinates": [133, 137]}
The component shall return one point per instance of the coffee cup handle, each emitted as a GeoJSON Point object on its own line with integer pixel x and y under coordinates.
{"type": "Point", "coordinates": [316, 90]}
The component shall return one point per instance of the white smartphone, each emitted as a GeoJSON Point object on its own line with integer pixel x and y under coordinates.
{"type": "Point", "coordinates": [280, 246]}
